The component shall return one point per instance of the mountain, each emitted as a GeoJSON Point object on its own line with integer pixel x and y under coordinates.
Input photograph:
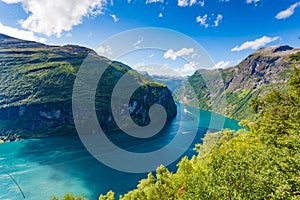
{"type": "Point", "coordinates": [257, 162]}
{"type": "Point", "coordinates": [173, 82]}
{"type": "Point", "coordinates": [229, 91]}
{"type": "Point", "coordinates": [36, 83]}
{"type": "Point", "coordinates": [145, 73]}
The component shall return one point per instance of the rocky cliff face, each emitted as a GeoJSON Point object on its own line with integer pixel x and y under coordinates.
{"type": "Point", "coordinates": [36, 83]}
{"type": "Point", "coordinates": [268, 65]}
{"type": "Point", "coordinates": [228, 91]}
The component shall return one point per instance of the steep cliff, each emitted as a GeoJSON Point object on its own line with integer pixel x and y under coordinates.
{"type": "Point", "coordinates": [228, 91]}
{"type": "Point", "coordinates": [36, 83]}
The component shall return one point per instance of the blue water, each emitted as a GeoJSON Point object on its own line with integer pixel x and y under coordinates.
{"type": "Point", "coordinates": [54, 166]}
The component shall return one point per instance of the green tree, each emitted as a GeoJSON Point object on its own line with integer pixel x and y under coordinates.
{"type": "Point", "coordinates": [110, 195]}
{"type": "Point", "coordinates": [69, 196]}
{"type": "Point", "coordinates": [261, 161]}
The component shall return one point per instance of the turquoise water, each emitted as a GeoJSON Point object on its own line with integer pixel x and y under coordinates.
{"type": "Point", "coordinates": [54, 166]}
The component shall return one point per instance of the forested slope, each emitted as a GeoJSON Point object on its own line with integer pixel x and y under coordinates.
{"type": "Point", "coordinates": [229, 91]}
{"type": "Point", "coordinates": [36, 86]}
{"type": "Point", "coordinates": [261, 161]}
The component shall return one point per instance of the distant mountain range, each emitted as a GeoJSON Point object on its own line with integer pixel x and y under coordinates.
{"type": "Point", "coordinates": [228, 91]}
{"type": "Point", "coordinates": [36, 82]}
{"type": "Point", "coordinates": [173, 82]}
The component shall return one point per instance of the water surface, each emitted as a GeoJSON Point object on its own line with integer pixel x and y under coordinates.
{"type": "Point", "coordinates": [54, 166]}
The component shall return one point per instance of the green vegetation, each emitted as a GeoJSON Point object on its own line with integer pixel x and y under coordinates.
{"type": "Point", "coordinates": [261, 161]}
{"type": "Point", "coordinates": [229, 91]}
{"type": "Point", "coordinates": [69, 196]}
{"type": "Point", "coordinates": [195, 91]}
{"type": "Point", "coordinates": [36, 86]}
{"type": "Point", "coordinates": [47, 75]}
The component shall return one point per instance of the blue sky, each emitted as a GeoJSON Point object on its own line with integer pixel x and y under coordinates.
{"type": "Point", "coordinates": [228, 30]}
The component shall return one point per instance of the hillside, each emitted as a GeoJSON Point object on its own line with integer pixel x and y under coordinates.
{"type": "Point", "coordinates": [36, 83]}
{"type": "Point", "coordinates": [173, 82]}
{"type": "Point", "coordinates": [228, 91]}
{"type": "Point", "coordinates": [260, 161]}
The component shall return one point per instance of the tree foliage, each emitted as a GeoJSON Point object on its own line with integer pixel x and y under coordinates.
{"type": "Point", "coordinates": [69, 196]}
{"type": "Point", "coordinates": [261, 161]}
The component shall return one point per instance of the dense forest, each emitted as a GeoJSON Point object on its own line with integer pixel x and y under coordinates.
{"type": "Point", "coordinates": [261, 161]}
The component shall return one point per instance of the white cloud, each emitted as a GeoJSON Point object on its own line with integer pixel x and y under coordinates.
{"type": "Point", "coordinates": [252, 1]}
{"type": "Point", "coordinates": [115, 18]}
{"type": "Point", "coordinates": [206, 21]}
{"type": "Point", "coordinates": [12, 1]}
{"type": "Point", "coordinates": [55, 16]}
{"type": "Point", "coordinates": [194, 55]}
{"type": "Point", "coordinates": [202, 20]}
{"type": "Point", "coordinates": [218, 19]}
{"type": "Point", "coordinates": [69, 35]}
{"type": "Point", "coordinates": [138, 66]}
{"type": "Point", "coordinates": [182, 52]}
{"type": "Point", "coordinates": [138, 42]}
{"type": "Point", "coordinates": [160, 15]}
{"type": "Point", "coordinates": [223, 64]}
{"type": "Point", "coordinates": [187, 69]}
{"type": "Point", "coordinates": [151, 56]}
{"type": "Point", "coordinates": [202, 3]}
{"type": "Point", "coordinates": [260, 42]}
{"type": "Point", "coordinates": [184, 3]}
{"type": "Point", "coordinates": [288, 12]}
{"type": "Point", "coordinates": [154, 1]}
{"type": "Point", "coordinates": [165, 69]}
{"type": "Point", "coordinates": [192, 2]}
{"type": "Point", "coordinates": [155, 69]}
{"type": "Point", "coordinates": [21, 34]}
{"type": "Point", "coordinates": [104, 50]}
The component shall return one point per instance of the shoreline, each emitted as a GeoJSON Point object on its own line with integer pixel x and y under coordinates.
{"type": "Point", "coordinates": [16, 138]}
{"type": "Point", "coordinates": [11, 138]}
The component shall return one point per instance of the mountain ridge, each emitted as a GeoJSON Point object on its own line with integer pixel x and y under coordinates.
{"type": "Point", "coordinates": [228, 91]}
{"type": "Point", "coordinates": [36, 82]}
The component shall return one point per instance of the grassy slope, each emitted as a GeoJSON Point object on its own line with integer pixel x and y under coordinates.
{"type": "Point", "coordinates": [259, 162]}
{"type": "Point", "coordinates": [37, 75]}
{"type": "Point", "coordinates": [33, 74]}
{"type": "Point", "coordinates": [229, 91]}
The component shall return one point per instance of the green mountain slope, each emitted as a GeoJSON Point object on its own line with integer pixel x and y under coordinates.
{"type": "Point", "coordinates": [172, 82]}
{"type": "Point", "coordinates": [228, 91]}
{"type": "Point", "coordinates": [36, 83]}
{"type": "Point", "coordinates": [261, 161]}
